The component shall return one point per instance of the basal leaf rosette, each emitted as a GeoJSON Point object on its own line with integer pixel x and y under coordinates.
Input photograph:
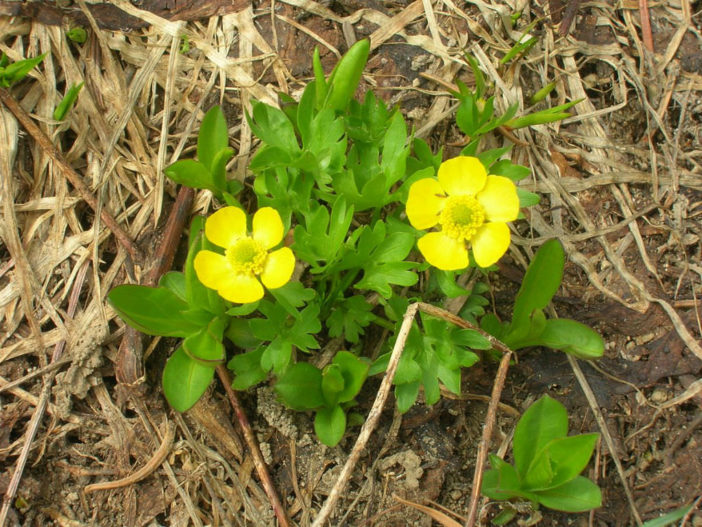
{"type": "Point", "coordinates": [471, 209]}
{"type": "Point", "coordinates": [247, 260]}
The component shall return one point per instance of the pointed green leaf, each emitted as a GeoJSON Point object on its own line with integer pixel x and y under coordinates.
{"type": "Point", "coordinates": [545, 420]}
{"type": "Point", "coordinates": [247, 369]}
{"type": "Point", "coordinates": [540, 283]}
{"type": "Point", "coordinates": [213, 137]}
{"type": "Point", "coordinates": [67, 102]}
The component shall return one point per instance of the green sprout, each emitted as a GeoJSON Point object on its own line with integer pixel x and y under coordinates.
{"type": "Point", "coordinates": [547, 463]}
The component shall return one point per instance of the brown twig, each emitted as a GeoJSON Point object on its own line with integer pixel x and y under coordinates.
{"type": "Point", "coordinates": [251, 442]}
{"type": "Point", "coordinates": [597, 413]}
{"type": "Point", "coordinates": [487, 435]}
{"type": "Point", "coordinates": [461, 323]}
{"type": "Point", "coordinates": [144, 471]}
{"type": "Point", "coordinates": [73, 177]}
{"type": "Point", "coordinates": [384, 391]}
{"type": "Point", "coordinates": [372, 419]}
{"type": "Point", "coordinates": [129, 368]}
{"type": "Point", "coordinates": [646, 25]}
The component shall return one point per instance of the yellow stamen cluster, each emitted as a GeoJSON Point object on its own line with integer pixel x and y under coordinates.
{"type": "Point", "coordinates": [246, 256]}
{"type": "Point", "coordinates": [461, 217]}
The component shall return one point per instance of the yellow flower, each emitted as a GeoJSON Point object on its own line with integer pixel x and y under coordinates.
{"type": "Point", "coordinates": [471, 208]}
{"type": "Point", "coordinates": [235, 274]}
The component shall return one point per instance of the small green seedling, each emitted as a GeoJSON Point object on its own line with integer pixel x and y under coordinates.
{"type": "Point", "coordinates": [529, 326]}
{"type": "Point", "coordinates": [670, 518]}
{"type": "Point", "coordinates": [329, 392]}
{"type": "Point", "coordinates": [547, 463]}
{"type": "Point", "coordinates": [67, 102]}
{"type": "Point", "coordinates": [213, 154]}
{"type": "Point", "coordinates": [12, 73]}
{"type": "Point", "coordinates": [77, 35]}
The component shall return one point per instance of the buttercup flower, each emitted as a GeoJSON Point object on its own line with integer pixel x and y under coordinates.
{"type": "Point", "coordinates": [472, 209]}
{"type": "Point", "coordinates": [235, 274]}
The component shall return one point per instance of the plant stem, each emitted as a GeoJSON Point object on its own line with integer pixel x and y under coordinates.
{"type": "Point", "coordinates": [251, 442]}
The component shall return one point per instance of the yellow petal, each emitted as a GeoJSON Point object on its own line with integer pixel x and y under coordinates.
{"type": "Point", "coordinates": [279, 268]}
{"type": "Point", "coordinates": [241, 289]}
{"type": "Point", "coordinates": [490, 243]}
{"type": "Point", "coordinates": [424, 203]}
{"type": "Point", "coordinates": [267, 227]}
{"type": "Point", "coordinates": [212, 269]}
{"type": "Point", "coordinates": [462, 176]}
{"type": "Point", "coordinates": [443, 252]}
{"type": "Point", "coordinates": [499, 199]}
{"type": "Point", "coordinates": [226, 225]}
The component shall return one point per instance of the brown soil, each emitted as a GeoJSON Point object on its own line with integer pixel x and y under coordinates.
{"type": "Point", "coordinates": [621, 182]}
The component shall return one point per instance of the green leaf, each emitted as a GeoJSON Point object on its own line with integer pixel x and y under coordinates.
{"type": "Point", "coordinates": [274, 128]}
{"type": "Point", "coordinates": [567, 456]}
{"type": "Point", "coordinates": [319, 80]}
{"type": "Point", "coordinates": [156, 311]}
{"type": "Point", "coordinates": [668, 519]}
{"type": "Point", "coordinates": [185, 380]}
{"type": "Point", "coordinates": [77, 35]}
{"type": "Point", "coordinates": [346, 75]}
{"type": "Point", "coordinates": [408, 370]}
{"type": "Point", "coordinates": [527, 199]}
{"type": "Point", "coordinates": [240, 334]}
{"type": "Point", "coordinates": [330, 425]}
{"type": "Point", "coordinates": [447, 283]}
{"type": "Point", "coordinates": [292, 296]}
{"type": "Point", "coordinates": [470, 338]}
{"type": "Point", "coordinates": [300, 387]}
{"type": "Point", "coordinates": [541, 281]}
{"type": "Point", "coordinates": [406, 395]}
{"type": "Point", "coordinates": [395, 151]}
{"type": "Point", "coordinates": [319, 241]}
{"type": "Point", "coordinates": [572, 337]}
{"type": "Point", "coordinates": [174, 281]}
{"type": "Point", "coordinates": [191, 173]}
{"type": "Point", "coordinates": [219, 169]}
{"type": "Point", "coordinates": [206, 345]}
{"type": "Point", "coordinates": [305, 111]}
{"type": "Point", "coordinates": [348, 318]}
{"type": "Point", "coordinates": [247, 369]}
{"type": "Point", "coordinates": [213, 138]}
{"type": "Point", "coordinates": [332, 384]}
{"type": "Point", "coordinates": [578, 495]}
{"type": "Point", "coordinates": [385, 268]}
{"type": "Point", "coordinates": [544, 421]}
{"type": "Point", "coordinates": [502, 482]}
{"type": "Point", "coordinates": [506, 168]}
{"type": "Point", "coordinates": [67, 102]}
{"type": "Point", "coordinates": [354, 371]}
{"type": "Point", "coordinates": [16, 71]}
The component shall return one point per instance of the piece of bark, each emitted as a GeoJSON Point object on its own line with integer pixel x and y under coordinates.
{"type": "Point", "coordinates": [111, 17]}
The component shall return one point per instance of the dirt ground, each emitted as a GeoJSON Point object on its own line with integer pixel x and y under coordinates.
{"type": "Point", "coordinates": [621, 187]}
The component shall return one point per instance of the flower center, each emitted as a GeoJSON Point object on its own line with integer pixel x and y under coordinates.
{"type": "Point", "coordinates": [461, 217]}
{"type": "Point", "coordinates": [246, 256]}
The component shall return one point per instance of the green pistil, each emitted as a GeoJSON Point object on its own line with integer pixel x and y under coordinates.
{"type": "Point", "coordinates": [246, 256]}
{"type": "Point", "coordinates": [461, 217]}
